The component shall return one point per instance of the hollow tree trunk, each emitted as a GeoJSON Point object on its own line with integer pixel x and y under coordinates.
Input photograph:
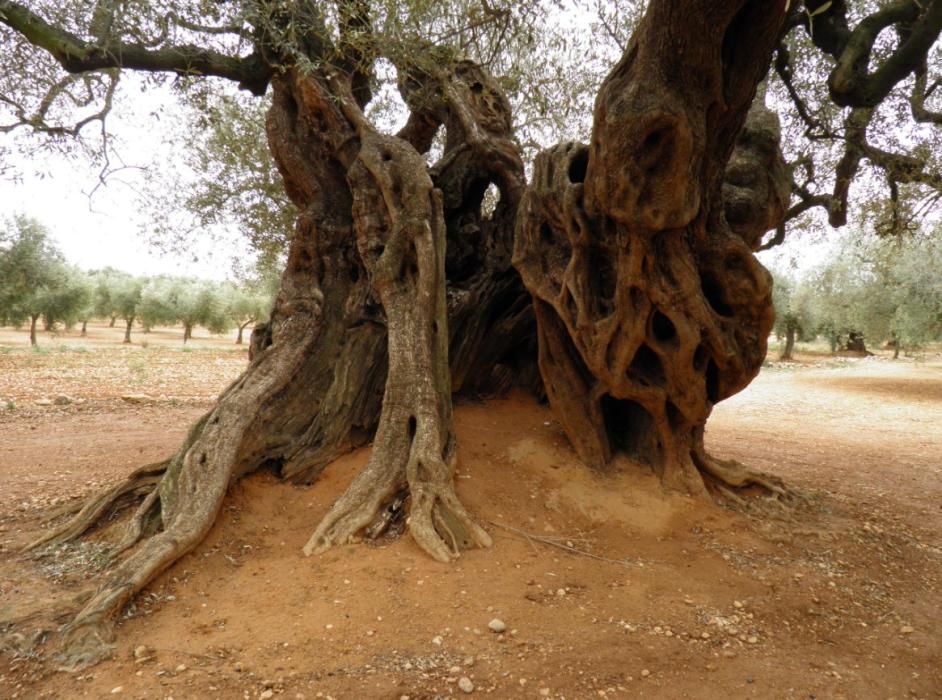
{"type": "Point", "coordinates": [650, 307]}
{"type": "Point", "coordinates": [32, 330]}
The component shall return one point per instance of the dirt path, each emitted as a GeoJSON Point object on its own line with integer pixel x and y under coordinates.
{"type": "Point", "coordinates": [678, 599]}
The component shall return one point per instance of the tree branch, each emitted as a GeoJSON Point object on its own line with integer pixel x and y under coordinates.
{"type": "Point", "coordinates": [852, 83]}
{"type": "Point", "coordinates": [917, 100]}
{"type": "Point", "coordinates": [78, 56]}
{"type": "Point", "coordinates": [357, 47]}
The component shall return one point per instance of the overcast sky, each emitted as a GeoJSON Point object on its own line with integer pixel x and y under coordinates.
{"type": "Point", "coordinates": [104, 229]}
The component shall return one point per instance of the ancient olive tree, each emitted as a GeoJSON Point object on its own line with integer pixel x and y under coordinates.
{"type": "Point", "coordinates": [621, 279]}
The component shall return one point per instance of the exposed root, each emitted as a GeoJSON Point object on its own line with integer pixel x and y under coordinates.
{"type": "Point", "coordinates": [438, 521]}
{"type": "Point", "coordinates": [145, 518]}
{"type": "Point", "coordinates": [362, 507]}
{"type": "Point", "coordinates": [391, 519]}
{"type": "Point", "coordinates": [142, 482]}
{"type": "Point", "coordinates": [729, 478]}
{"type": "Point", "coordinates": [85, 644]}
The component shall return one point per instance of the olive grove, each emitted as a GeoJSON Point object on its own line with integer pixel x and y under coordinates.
{"type": "Point", "coordinates": [618, 276]}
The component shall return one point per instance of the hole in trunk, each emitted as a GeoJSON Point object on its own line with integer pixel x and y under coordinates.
{"type": "Point", "coordinates": [657, 150]}
{"type": "Point", "coordinates": [630, 429]}
{"type": "Point", "coordinates": [700, 358]}
{"type": "Point", "coordinates": [662, 327]}
{"type": "Point", "coordinates": [646, 367]}
{"type": "Point", "coordinates": [273, 465]}
{"type": "Point", "coordinates": [579, 165]}
{"type": "Point", "coordinates": [413, 425]}
{"type": "Point", "coordinates": [674, 416]}
{"type": "Point", "coordinates": [713, 293]}
{"type": "Point", "coordinates": [603, 273]}
{"type": "Point", "coordinates": [713, 382]}
{"type": "Point", "coordinates": [489, 201]}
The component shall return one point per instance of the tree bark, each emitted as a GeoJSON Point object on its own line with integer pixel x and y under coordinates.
{"type": "Point", "coordinates": [84, 332]}
{"type": "Point", "coordinates": [650, 307]}
{"type": "Point", "coordinates": [32, 330]}
{"type": "Point", "coordinates": [647, 309]}
{"type": "Point", "coordinates": [129, 323]}
{"type": "Point", "coordinates": [113, 319]}
{"type": "Point", "coordinates": [363, 291]}
{"type": "Point", "coordinates": [187, 332]}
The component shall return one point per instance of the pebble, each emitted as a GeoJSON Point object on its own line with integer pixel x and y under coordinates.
{"type": "Point", "coordinates": [465, 684]}
{"type": "Point", "coordinates": [266, 694]}
{"type": "Point", "coordinates": [752, 640]}
{"type": "Point", "coordinates": [117, 689]}
{"type": "Point", "coordinates": [496, 625]}
{"type": "Point", "coordinates": [906, 629]}
{"type": "Point", "coordinates": [180, 668]}
{"type": "Point", "coordinates": [141, 652]}
{"type": "Point", "coordinates": [737, 604]}
{"type": "Point", "coordinates": [645, 673]}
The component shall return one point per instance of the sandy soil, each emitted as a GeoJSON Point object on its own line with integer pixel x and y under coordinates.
{"type": "Point", "coordinates": [608, 586]}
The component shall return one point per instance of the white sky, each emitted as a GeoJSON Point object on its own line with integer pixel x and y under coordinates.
{"type": "Point", "coordinates": [105, 229]}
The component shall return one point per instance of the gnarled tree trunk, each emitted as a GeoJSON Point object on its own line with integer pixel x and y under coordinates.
{"type": "Point", "coordinates": [650, 307]}
{"type": "Point", "coordinates": [400, 287]}
{"type": "Point", "coordinates": [360, 333]}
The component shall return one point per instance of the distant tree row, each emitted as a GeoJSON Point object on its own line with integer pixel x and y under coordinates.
{"type": "Point", "coordinates": [873, 291]}
{"type": "Point", "coordinates": [37, 284]}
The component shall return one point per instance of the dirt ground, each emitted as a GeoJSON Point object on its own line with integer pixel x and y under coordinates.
{"type": "Point", "coordinates": [608, 586]}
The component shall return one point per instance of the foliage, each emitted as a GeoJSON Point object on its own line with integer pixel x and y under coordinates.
{"type": "Point", "coordinates": [34, 279]}
{"type": "Point", "coordinates": [243, 305]}
{"type": "Point", "coordinates": [886, 289]}
{"type": "Point", "coordinates": [168, 300]}
{"type": "Point", "coordinates": [793, 302]}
